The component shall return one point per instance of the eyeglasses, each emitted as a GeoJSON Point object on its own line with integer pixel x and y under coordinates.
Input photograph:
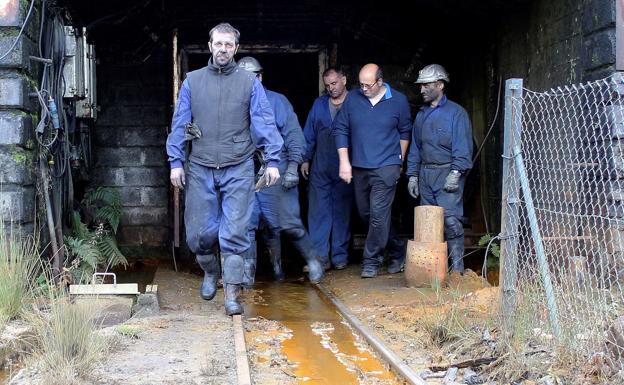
{"type": "Point", "coordinates": [365, 86]}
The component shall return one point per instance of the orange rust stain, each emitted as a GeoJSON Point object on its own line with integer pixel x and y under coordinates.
{"type": "Point", "coordinates": [325, 348]}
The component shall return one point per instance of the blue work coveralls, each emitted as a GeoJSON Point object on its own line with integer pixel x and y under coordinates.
{"type": "Point", "coordinates": [275, 206]}
{"type": "Point", "coordinates": [441, 142]}
{"type": "Point", "coordinates": [218, 199]}
{"type": "Point", "coordinates": [330, 198]}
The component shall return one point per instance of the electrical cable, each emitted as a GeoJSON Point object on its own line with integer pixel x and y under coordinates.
{"type": "Point", "coordinates": [487, 135]}
{"type": "Point", "coordinates": [17, 38]}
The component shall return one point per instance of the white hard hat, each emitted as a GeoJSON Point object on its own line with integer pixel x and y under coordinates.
{"type": "Point", "coordinates": [432, 73]}
{"type": "Point", "coordinates": [250, 64]}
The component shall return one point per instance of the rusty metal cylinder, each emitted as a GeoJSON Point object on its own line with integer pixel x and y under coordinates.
{"type": "Point", "coordinates": [426, 257]}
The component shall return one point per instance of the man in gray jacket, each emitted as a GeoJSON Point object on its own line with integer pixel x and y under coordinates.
{"type": "Point", "coordinates": [231, 110]}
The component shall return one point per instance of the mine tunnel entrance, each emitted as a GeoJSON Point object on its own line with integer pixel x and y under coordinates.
{"type": "Point", "coordinates": [134, 45]}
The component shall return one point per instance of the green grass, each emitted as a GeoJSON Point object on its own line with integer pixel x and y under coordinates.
{"type": "Point", "coordinates": [18, 267]}
{"type": "Point", "coordinates": [130, 331]}
{"type": "Point", "coordinates": [67, 347]}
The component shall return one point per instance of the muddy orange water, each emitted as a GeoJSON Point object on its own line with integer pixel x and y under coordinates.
{"type": "Point", "coordinates": [322, 345]}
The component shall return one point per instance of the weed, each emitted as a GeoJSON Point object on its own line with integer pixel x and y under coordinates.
{"type": "Point", "coordinates": [66, 345]}
{"type": "Point", "coordinates": [18, 266]}
{"type": "Point", "coordinates": [130, 331]}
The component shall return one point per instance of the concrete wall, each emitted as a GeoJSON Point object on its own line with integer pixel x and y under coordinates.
{"type": "Point", "coordinates": [17, 148]}
{"type": "Point", "coordinates": [129, 150]}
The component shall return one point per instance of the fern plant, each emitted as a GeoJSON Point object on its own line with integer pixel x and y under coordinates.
{"type": "Point", "coordinates": [494, 250]}
{"type": "Point", "coordinates": [93, 245]}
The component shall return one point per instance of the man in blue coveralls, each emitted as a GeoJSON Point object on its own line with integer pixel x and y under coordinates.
{"type": "Point", "coordinates": [278, 206]}
{"type": "Point", "coordinates": [372, 133]}
{"type": "Point", "coordinates": [440, 156]}
{"type": "Point", "coordinates": [232, 116]}
{"type": "Point", "coordinates": [329, 212]}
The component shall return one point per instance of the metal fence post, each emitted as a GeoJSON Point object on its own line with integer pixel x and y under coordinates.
{"type": "Point", "coordinates": [510, 200]}
{"type": "Point", "coordinates": [553, 313]}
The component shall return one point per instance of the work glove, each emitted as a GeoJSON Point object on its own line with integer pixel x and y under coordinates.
{"type": "Point", "coordinates": [192, 131]}
{"type": "Point", "coordinates": [452, 181]}
{"type": "Point", "coordinates": [291, 177]}
{"type": "Point", "coordinates": [412, 186]}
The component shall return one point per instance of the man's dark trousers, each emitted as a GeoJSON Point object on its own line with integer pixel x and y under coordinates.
{"type": "Point", "coordinates": [219, 202]}
{"type": "Point", "coordinates": [374, 194]}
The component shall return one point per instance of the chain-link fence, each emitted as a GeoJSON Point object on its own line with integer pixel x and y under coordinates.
{"type": "Point", "coordinates": [562, 262]}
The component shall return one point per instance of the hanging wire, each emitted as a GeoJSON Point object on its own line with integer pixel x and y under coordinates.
{"type": "Point", "coordinates": [19, 35]}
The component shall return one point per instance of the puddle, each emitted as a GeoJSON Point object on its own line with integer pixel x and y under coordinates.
{"type": "Point", "coordinates": [321, 343]}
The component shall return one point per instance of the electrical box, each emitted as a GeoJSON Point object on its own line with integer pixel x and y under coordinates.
{"type": "Point", "coordinates": [79, 73]}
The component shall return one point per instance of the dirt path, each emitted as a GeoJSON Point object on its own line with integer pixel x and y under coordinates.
{"type": "Point", "coordinates": [191, 343]}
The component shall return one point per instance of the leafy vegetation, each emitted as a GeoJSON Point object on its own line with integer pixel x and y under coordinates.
{"type": "Point", "coordinates": [93, 245]}
{"type": "Point", "coordinates": [493, 256]}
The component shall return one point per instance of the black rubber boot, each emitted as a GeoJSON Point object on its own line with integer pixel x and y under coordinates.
{"type": "Point", "coordinates": [302, 243]}
{"type": "Point", "coordinates": [232, 302]}
{"type": "Point", "coordinates": [456, 253]}
{"type": "Point", "coordinates": [210, 266]}
{"type": "Point", "coordinates": [249, 274]}
{"type": "Point", "coordinates": [274, 244]}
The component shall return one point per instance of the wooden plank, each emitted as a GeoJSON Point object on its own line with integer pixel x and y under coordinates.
{"type": "Point", "coordinates": [242, 364]}
{"type": "Point", "coordinates": [105, 289]}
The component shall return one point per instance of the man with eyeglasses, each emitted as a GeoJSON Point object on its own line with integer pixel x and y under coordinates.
{"type": "Point", "coordinates": [225, 107]}
{"type": "Point", "coordinates": [278, 205]}
{"type": "Point", "coordinates": [440, 156]}
{"type": "Point", "coordinates": [330, 198]}
{"type": "Point", "coordinates": [372, 132]}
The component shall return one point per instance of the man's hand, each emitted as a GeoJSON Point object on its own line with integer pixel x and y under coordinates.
{"type": "Point", "coordinates": [345, 172]}
{"type": "Point", "coordinates": [291, 177]}
{"type": "Point", "coordinates": [305, 169]}
{"type": "Point", "coordinates": [272, 175]}
{"type": "Point", "coordinates": [177, 177]}
{"type": "Point", "coordinates": [451, 184]}
{"type": "Point", "coordinates": [412, 186]}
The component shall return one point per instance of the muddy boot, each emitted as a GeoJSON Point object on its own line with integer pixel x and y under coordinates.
{"type": "Point", "coordinates": [274, 245]}
{"type": "Point", "coordinates": [302, 243]}
{"type": "Point", "coordinates": [232, 301]}
{"type": "Point", "coordinates": [315, 269]}
{"type": "Point", "coordinates": [210, 265]}
{"type": "Point", "coordinates": [249, 272]}
{"type": "Point", "coordinates": [456, 253]}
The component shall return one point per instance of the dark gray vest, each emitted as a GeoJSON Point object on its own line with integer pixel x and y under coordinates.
{"type": "Point", "coordinates": [220, 99]}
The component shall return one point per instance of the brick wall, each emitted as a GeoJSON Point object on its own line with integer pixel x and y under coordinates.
{"type": "Point", "coordinates": [129, 150]}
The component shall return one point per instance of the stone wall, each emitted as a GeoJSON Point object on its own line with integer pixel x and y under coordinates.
{"type": "Point", "coordinates": [17, 111]}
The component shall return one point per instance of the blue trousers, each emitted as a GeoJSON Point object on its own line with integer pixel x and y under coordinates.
{"type": "Point", "coordinates": [374, 193]}
{"type": "Point", "coordinates": [279, 210]}
{"type": "Point", "coordinates": [430, 184]}
{"type": "Point", "coordinates": [329, 219]}
{"type": "Point", "coordinates": [217, 214]}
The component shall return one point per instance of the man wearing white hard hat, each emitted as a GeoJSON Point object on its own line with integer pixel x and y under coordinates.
{"type": "Point", "coordinates": [440, 156]}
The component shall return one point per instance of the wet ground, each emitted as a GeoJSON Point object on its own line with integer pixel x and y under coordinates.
{"type": "Point", "coordinates": [408, 319]}
{"type": "Point", "coordinates": [292, 329]}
